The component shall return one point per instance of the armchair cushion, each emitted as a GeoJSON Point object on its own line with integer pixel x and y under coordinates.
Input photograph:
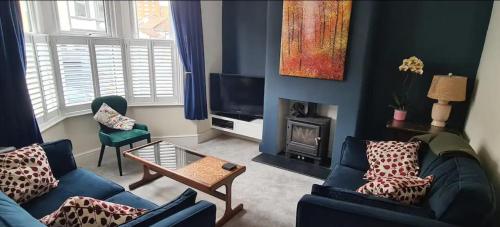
{"type": "Point", "coordinates": [141, 126]}
{"type": "Point", "coordinates": [78, 182]}
{"type": "Point", "coordinates": [121, 138]}
{"type": "Point", "coordinates": [185, 200]}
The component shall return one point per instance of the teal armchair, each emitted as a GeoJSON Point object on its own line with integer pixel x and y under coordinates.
{"type": "Point", "coordinates": [114, 137]}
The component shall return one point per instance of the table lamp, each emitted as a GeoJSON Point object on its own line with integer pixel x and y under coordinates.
{"type": "Point", "coordinates": [445, 88]}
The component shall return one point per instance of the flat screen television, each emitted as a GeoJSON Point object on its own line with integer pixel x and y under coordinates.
{"type": "Point", "coordinates": [236, 95]}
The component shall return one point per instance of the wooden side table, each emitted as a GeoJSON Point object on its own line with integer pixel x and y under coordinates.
{"type": "Point", "coordinates": [403, 130]}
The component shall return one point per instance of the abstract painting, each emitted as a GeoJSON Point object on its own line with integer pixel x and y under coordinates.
{"type": "Point", "coordinates": [314, 38]}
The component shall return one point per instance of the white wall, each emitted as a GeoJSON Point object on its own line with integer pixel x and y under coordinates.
{"type": "Point", "coordinates": [483, 123]}
{"type": "Point", "coordinates": [211, 12]}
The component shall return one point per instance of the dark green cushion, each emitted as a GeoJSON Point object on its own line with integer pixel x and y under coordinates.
{"type": "Point", "coordinates": [121, 138]}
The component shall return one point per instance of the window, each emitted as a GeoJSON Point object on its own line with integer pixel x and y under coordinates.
{"type": "Point", "coordinates": [67, 70]}
{"type": "Point", "coordinates": [83, 16]}
{"type": "Point", "coordinates": [154, 73]}
{"type": "Point", "coordinates": [153, 20]}
{"type": "Point", "coordinates": [75, 71]}
{"type": "Point", "coordinates": [109, 67]}
{"type": "Point", "coordinates": [26, 13]}
{"type": "Point", "coordinates": [40, 78]}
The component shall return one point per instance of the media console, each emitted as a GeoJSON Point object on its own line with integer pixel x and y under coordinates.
{"type": "Point", "coordinates": [243, 126]}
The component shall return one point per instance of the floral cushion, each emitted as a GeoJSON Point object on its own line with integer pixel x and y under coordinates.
{"type": "Point", "coordinates": [112, 119]}
{"type": "Point", "coordinates": [407, 190]}
{"type": "Point", "coordinates": [25, 173]}
{"type": "Point", "coordinates": [86, 212]}
{"type": "Point", "coordinates": [392, 158]}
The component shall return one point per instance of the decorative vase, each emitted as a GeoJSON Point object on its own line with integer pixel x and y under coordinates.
{"type": "Point", "coordinates": [399, 115]}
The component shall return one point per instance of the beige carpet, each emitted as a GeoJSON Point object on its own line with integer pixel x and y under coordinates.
{"type": "Point", "coordinates": [269, 194]}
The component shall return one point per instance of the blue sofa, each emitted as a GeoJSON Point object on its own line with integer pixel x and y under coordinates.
{"type": "Point", "coordinates": [460, 194]}
{"type": "Point", "coordinates": [73, 181]}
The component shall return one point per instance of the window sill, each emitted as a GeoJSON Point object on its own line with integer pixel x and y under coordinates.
{"type": "Point", "coordinates": [56, 120]}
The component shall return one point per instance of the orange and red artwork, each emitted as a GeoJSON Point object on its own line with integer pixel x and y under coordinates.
{"type": "Point", "coordinates": [314, 38]}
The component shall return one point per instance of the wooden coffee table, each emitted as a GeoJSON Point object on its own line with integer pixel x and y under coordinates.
{"type": "Point", "coordinates": [199, 171]}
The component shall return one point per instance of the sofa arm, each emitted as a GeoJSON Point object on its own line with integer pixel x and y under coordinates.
{"type": "Point", "coordinates": [200, 214]}
{"type": "Point", "coordinates": [141, 126]}
{"type": "Point", "coordinates": [321, 211]}
{"type": "Point", "coordinates": [60, 156]}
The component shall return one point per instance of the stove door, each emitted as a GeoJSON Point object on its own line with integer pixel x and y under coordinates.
{"type": "Point", "coordinates": [303, 138]}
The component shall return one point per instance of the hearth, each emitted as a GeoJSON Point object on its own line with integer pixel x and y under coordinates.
{"type": "Point", "coordinates": [308, 137]}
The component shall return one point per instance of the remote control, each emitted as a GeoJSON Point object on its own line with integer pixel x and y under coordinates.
{"type": "Point", "coordinates": [229, 166]}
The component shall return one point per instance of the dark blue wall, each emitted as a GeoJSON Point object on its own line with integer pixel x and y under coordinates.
{"type": "Point", "coordinates": [244, 37]}
{"type": "Point", "coordinates": [448, 37]}
{"type": "Point", "coordinates": [346, 94]}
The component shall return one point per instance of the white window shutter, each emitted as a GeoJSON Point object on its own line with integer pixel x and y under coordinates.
{"type": "Point", "coordinates": [110, 69]}
{"type": "Point", "coordinates": [32, 80]}
{"type": "Point", "coordinates": [76, 73]}
{"type": "Point", "coordinates": [46, 71]}
{"type": "Point", "coordinates": [164, 69]}
{"type": "Point", "coordinates": [140, 73]}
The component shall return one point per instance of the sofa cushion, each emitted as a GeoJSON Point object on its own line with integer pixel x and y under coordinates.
{"type": "Point", "coordinates": [185, 200]}
{"type": "Point", "coordinates": [129, 199]}
{"type": "Point", "coordinates": [392, 158]}
{"type": "Point", "coordinates": [78, 182]}
{"type": "Point", "coordinates": [354, 154]}
{"type": "Point", "coordinates": [407, 190]}
{"type": "Point", "coordinates": [60, 157]}
{"type": "Point", "coordinates": [460, 192]}
{"type": "Point", "coordinates": [11, 214]}
{"type": "Point", "coordinates": [26, 173]}
{"type": "Point", "coordinates": [345, 177]}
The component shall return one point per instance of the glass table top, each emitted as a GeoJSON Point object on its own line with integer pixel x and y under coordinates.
{"type": "Point", "coordinates": [167, 155]}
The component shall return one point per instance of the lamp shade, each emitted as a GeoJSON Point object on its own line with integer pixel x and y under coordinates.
{"type": "Point", "coordinates": [448, 88]}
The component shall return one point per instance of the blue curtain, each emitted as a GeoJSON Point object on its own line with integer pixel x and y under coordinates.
{"type": "Point", "coordinates": [189, 33]}
{"type": "Point", "coordinates": [18, 126]}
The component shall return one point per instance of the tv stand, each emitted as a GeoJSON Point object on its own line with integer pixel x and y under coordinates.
{"type": "Point", "coordinates": [242, 125]}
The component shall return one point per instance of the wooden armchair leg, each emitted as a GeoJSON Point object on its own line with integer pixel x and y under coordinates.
{"type": "Point", "coordinates": [119, 159]}
{"type": "Point", "coordinates": [131, 145]}
{"type": "Point", "coordinates": [149, 139]}
{"type": "Point", "coordinates": [100, 155]}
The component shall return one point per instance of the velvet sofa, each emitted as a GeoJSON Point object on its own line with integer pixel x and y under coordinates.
{"type": "Point", "coordinates": [73, 181]}
{"type": "Point", "coordinates": [460, 194]}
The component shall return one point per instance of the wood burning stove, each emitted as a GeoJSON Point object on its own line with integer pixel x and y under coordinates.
{"type": "Point", "coordinates": [308, 137]}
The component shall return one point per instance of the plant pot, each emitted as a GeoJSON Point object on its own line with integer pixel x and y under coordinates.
{"type": "Point", "coordinates": [399, 115]}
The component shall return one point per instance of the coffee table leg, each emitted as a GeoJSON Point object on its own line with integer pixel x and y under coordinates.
{"type": "Point", "coordinates": [229, 212]}
{"type": "Point", "coordinates": [147, 177]}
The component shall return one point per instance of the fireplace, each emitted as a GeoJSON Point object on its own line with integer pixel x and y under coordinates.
{"type": "Point", "coordinates": [308, 137]}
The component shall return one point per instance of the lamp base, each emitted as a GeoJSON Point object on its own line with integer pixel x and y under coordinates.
{"type": "Point", "coordinates": [440, 124]}
{"type": "Point", "coordinates": [440, 113]}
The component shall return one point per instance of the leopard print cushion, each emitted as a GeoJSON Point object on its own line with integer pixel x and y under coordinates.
{"type": "Point", "coordinates": [89, 212]}
{"type": "Point", "coordinates": [25, 173]}
{"type": "Point", "coordinates": [392, 158]}
{"type": "Point", "coordinates": [407, 190]}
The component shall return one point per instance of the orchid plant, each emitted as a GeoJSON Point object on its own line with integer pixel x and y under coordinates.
{"type": "Point", "coordinates": [410, 66]}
